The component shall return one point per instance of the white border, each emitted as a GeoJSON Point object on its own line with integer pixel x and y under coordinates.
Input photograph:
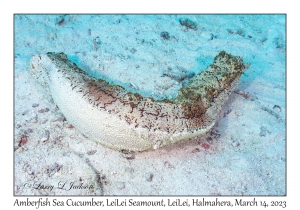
{"type": "Point", "coordinates": [154, 6]}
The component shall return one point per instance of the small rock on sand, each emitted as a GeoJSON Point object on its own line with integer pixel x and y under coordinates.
{"type": "Point", "coordinates": [149, 176]}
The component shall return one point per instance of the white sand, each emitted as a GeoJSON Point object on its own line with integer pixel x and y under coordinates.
{"type": "Point", "coordinates": [246, 154]}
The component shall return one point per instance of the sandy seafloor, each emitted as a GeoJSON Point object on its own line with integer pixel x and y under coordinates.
{"type": "Point", "coordinates": [246, 152]}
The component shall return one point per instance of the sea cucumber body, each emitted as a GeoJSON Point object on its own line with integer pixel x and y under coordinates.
{"type": "Point", "coordinates": [122, 120]}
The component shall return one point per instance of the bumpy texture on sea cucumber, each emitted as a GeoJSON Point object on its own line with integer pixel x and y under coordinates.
{"type": "Point", "coordinates": [123, 120]}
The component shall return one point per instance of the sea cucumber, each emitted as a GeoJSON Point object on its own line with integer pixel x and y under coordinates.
{"type": "Point", "coordinates": [122, 120]}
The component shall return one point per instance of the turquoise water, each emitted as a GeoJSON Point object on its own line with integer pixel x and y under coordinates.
{"type": "Point", "coordinates": [119, 48]}
{"type": "Point", "coordinates": [148, 54]}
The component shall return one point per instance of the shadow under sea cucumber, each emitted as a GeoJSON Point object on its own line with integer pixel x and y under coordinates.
{"type": "Point", "coordinates": [122, 120]}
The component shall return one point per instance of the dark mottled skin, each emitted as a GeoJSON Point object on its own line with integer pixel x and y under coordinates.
{"type": "Point", "coordinates": [196, 106]}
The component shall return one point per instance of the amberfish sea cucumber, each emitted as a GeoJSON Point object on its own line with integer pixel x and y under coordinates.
{"type": "Point", "coordinates": [122, 120]}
